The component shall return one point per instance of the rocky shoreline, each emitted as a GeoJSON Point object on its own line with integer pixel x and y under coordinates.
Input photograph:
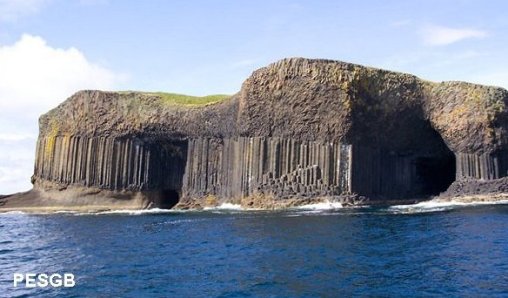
{"type": "Point", "coordinates": [299, 131]}
{"type": "Point", "coordinates": [32, 203]}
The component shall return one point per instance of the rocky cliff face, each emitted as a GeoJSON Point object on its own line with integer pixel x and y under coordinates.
{"type": "Point", "coordinates": [298, 129]}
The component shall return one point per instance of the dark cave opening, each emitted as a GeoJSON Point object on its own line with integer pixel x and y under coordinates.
{"type": "Point", "coordinates": [436, 173]}
{"type": "Point", "coordinates": [167, 166]}
{"type": "Point", "coordinates": [168, 199]}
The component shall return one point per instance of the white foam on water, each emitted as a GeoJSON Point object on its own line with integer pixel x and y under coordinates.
{"type": "Point", "coordinates": [327, 205]}
{"type": "Point", "coordinates": [132, 211]}
{"type": "Point", "coordinates": [436, 206]}
{"type": "Point", "coordinates": [8, 213]}
{"type": "Point", "coordinates": [225, 206]}
{"type": "Point", "coordinates": [65, 212]}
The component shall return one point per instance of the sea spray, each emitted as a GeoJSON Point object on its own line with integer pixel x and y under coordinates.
{"type": "Point", "coordinates": [438, 205]}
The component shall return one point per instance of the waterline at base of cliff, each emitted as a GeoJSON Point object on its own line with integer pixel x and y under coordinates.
{"type": "Point", "coordinates": [35, 205]}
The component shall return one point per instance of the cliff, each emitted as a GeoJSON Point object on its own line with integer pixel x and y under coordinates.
{"type": "Point", "coordinates": [298, 130]}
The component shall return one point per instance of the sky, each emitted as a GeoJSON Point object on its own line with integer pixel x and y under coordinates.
{"type": "Point", "coordinates": [50, 49]}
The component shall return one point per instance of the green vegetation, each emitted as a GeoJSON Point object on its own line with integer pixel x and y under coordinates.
{"type": "Point", "coordinates": [181, 99]}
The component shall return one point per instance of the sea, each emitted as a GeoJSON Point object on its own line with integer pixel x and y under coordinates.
{"type": "Point", "coordinates": [324, 250]}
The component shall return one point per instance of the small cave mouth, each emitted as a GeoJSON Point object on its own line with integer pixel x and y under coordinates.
{"type": "Point", "coordinates": [168, 158]}
{"type": "Point", "coordinates": [168, 199]}
{"type": "Point", "coordinates": [436, 173]}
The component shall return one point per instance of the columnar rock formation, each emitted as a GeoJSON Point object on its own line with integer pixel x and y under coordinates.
{"type": "Point", "coordinates": [282, 168]}
{"type": "Point", "coordinates": [298, 128]}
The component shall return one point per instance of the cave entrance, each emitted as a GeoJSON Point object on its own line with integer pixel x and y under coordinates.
{"type": "Point", "coordinates": [168, 159]}
{"type": "Point", "coordinates": [436, 173]}
{"type": "Point", "coordinates": [168, 199]}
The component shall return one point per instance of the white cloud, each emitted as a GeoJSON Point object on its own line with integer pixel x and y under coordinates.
{"type": "Point", "coordinates": [13, 9]}
{"type": "Point", "coordinates": [35, 77]}
{"type": "Point", "coordinates": [439, 35]}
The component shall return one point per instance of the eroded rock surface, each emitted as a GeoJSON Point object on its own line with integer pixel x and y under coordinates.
{"type": "Point", "coordinates": [298, 129]}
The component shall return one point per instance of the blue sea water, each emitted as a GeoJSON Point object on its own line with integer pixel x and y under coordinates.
{"type": "Point", "coordinates": [389, 252]}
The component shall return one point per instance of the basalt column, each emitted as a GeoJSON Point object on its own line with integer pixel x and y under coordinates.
{"type": "Point", "coordinates": [282, 168]}
{"type": "Point", "coordinates": [108, 163]}
{"type": "Point", "coordinates": [485, 166]}
{"type": "Point", "coordinates": [151, 166]}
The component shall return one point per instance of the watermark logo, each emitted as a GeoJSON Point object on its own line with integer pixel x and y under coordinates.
{"type": "Point", "coordinates": [42, 280]}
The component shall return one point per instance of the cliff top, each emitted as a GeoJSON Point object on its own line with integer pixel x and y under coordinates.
{"type": "Point", "coordinates": [179, 99]}
{"type": "Point", "coordinates": [303, 99]}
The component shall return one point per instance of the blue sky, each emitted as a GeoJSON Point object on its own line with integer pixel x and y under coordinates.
{"type": "Point", "coordinates": [52, 48]}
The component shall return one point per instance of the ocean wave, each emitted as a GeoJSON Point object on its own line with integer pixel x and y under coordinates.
{"type": "Point", "coordinates": [437, 206]}
{"type": "Point", "coordinates": [327, 205]}
{"type": "Point", "coordinates": [10, 213]}
{"type": "Point", "coordinates": [65, 212]}
{"type": "Point", "coordinates": [226, 207]}
{"type": "Point", "coordinates": [134, 211]}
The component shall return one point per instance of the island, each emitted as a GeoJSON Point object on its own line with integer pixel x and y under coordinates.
{"type": "Point", "coordinates": [299, 131]}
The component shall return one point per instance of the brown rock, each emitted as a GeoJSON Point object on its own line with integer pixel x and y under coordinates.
{"type": "Point", "coordinates": [333, 128]}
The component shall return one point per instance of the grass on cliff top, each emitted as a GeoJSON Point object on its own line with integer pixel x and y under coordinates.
{"type": "Point", "coordinates": [182, 99]}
